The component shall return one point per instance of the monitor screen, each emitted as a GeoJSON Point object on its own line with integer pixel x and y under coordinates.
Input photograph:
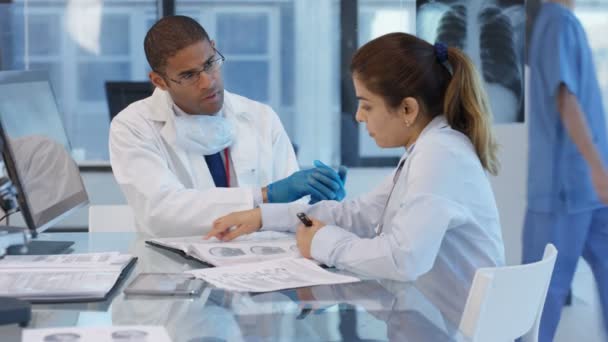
{"type": "Point", "coordinates": [36, 150]}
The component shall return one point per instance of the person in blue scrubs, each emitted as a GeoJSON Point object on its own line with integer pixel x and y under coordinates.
{"type": "Point", "coordinates": [567, 161]}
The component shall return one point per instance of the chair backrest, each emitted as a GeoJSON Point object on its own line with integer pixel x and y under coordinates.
{"type": "Point", "coordinates": [506, 303]}
{"type": "Point", "coordinates": [111, 218]}
{"type": "Point", "coordinates": [120, 94]}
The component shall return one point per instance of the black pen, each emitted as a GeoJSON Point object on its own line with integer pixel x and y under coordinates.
{"type": "Point", "coordinates": [304, 219]}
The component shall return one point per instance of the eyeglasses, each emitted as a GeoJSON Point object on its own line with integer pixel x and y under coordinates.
{"type": "Point", "coordinates": [212, 65]}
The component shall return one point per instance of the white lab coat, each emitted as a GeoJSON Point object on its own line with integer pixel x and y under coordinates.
{"type": "Point", "coordinates": [441, 223]}
{"type": "Point", "coordinates": [171, 190]}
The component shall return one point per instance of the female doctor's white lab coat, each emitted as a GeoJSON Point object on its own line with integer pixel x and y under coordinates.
{"type": "Point", "coordinates": [440, 224]}
{"type": "Point", "coordinates": [170, 189]}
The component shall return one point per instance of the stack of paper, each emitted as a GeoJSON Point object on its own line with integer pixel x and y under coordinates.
{"type": "Point", "coordinates": [258, 262]}
{"type": "Point", "coordinates": [270, 275]}
{"type": "Point", "coordinates": [44, 278]}
{"type": "Point", "coordinates": [95, 334]}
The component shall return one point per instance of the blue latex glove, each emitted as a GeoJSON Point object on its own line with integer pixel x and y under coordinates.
{"type": "Point", "coordinates": [320, 182]}
{"type": "Point", "coordinates": [341, 192]}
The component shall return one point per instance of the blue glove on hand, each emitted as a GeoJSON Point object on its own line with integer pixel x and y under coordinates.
{"type": "Point", "coordinates": [320, 182]}
{"type": "Point", "coordinates": [341, 192]}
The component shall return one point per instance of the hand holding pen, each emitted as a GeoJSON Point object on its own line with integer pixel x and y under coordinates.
{"type": "Point", "coordinates": [306, 232]}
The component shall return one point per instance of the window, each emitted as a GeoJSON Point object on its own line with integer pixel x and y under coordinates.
{"type": "Point", "coordinates": [82, 44]}
{"type": "Point", "coordinates": [263, 42]}
{"type": "Point", "coordinates": [243, 35]}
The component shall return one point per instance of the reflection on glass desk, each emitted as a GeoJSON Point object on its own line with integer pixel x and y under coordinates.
{"type": "Point", "coordinates": [371, 310]}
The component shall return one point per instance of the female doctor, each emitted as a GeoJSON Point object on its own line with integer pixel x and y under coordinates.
{"type": "Point", "coordinates": [434, 220]}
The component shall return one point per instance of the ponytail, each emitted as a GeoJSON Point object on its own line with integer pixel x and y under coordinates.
{"type": "Point", "coordinates": [444, 80]}
{"type": "Point", "coordinates": [467, 109]}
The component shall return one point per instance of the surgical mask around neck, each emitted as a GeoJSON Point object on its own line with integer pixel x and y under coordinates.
{"type": "Point", "coordinates": [203, 134]}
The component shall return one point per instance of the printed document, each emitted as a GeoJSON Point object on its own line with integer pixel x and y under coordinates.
{"type": "Point", "coordinates": [107, 260]}
{"type": "Point", "coordinates": [68, 277]}
{"type": "Point", "coordinates": [270, 275]}
{"type": "Point", "coordinates": [133, 333]}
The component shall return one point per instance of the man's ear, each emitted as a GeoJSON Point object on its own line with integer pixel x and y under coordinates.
{"type": "Point", "coordinates": [157, 80]}
{"type": "Point", "coordinates": [409, 110]}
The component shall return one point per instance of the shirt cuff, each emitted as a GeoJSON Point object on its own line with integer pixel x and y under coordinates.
{"type": "Point", "coordinates": [258, 198]}
{"type": "Point", "coordinates": [324, 243]}
{"type": "Point", "coordinates": [275, 216]}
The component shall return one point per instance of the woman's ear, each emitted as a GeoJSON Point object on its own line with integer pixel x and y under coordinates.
{"type": "Point", "coordinates": [409, 110]}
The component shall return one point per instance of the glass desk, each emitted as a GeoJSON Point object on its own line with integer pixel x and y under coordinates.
{"type": "Point", "coordinates": [371, 310]}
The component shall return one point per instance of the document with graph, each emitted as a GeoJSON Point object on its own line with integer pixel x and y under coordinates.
{"type": "Point", "coordinates": [271, 275]}
{"type": "Point", "coordinates": [256, 247]}
{"type": "Point", "coordinates": [63, 278]}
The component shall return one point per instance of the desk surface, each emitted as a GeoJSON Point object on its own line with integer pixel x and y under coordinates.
{"type": "Point", "coordinates": [371, 310]}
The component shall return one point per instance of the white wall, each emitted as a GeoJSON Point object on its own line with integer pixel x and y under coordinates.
{"type": "Point", "coordinates": [510, 186]}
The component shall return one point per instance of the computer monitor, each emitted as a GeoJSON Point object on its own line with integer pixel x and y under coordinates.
{"type": "Point", "coordinates": [120, 94]}
{"type": "Point", "coordinates": [36, 150]}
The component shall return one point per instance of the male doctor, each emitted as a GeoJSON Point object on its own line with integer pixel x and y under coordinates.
{"type": "Point", "coordinates": [193, 152]}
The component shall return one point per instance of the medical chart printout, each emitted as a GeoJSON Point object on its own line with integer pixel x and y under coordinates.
{"type": "Point", "coordinates": [134, 333]}
{"type": "Point", "coordinates": [61, 277]}
{"type": "Point", "coordinates": [107, 260]}
{"type": "Point", "coordinates": [272, 275]}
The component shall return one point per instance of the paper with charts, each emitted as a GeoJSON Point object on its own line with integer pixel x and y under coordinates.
{"type": "Point", "coordinates": [256, 247]}
{"type": "Point", "coordinates": [139, 333]}
{"type": "Point", "coordinates": [106, 260]}
{"type": "Point", "coordinates": [64, 277]}
{"type": "Point", "coordinates": [272, 275]}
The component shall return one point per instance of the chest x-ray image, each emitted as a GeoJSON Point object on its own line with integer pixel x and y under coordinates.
{"type": "Point", "coordinates": [492, 33]}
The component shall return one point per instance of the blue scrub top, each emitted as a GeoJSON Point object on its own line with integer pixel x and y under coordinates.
{"type": "Point", "coordinates": [558, 176]}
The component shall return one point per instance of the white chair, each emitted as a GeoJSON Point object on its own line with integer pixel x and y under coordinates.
{"type": "Point", "coordinates": [111, 218]}
{"type": "Point", "coordinates": [506, 303]}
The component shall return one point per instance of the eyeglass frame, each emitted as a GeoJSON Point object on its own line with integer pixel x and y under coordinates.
{"type": "Point", "coordinates": [197, 73]}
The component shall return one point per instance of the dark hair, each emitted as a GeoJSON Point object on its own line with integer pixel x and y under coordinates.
{"type": "Point", "coordinates": [399, 65]}
{"type": "Point", "coordinates": [168, 36]}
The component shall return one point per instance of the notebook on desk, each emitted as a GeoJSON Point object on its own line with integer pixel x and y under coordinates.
{"type": "Point", "coordinates": [63, 278]}
{"type": "Point", "coordinates": [256, 247]}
